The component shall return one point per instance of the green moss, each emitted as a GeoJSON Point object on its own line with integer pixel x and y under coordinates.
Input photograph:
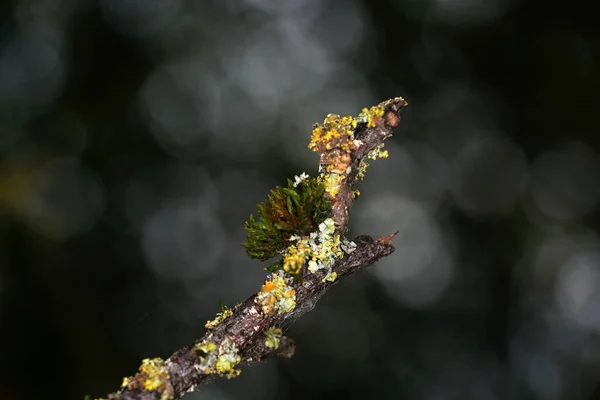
{"type": "Point", "coordinates": [288, 212]}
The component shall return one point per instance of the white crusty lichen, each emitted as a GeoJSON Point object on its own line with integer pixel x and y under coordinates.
{"type": "Point", "coordinates": [299, 179]}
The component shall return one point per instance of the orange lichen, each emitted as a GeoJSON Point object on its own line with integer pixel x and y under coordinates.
{"type": "Point", "coordinates": [280, 297]}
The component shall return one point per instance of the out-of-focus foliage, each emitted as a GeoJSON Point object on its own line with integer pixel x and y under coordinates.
{"type": "Point", "coordinates": [136, 136]}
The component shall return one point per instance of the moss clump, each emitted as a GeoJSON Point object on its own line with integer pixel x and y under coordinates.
{"type": "Point", "coordinates": [292, 211]}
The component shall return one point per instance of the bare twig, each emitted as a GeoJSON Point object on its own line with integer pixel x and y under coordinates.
{"type": "Point", "coordinates": [237, 337]}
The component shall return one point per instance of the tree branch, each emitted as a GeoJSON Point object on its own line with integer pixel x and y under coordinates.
{"type": "Point", "coordinates": [248, 334]}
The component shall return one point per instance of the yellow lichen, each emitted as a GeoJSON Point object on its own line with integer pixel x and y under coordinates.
{"type": "Point", "coordinates": [330, 277]}
{"type": "Point", "coordinates": [334, 132]}
{"type": "Point", "coordinates": [371, 115]}
{"type": "Point", "coordinates": [362, 169]}
{"type": "Point", "coordinates": [225, 366]}
{"type": "Point", "coordinates": [276, 295]}
{"type": "Point", "coordinates": [295, 256]}
{"type": "Point", "coordinates": [333, 183]}
{"type": "Point", "coordinates": [220, 317]}
{"type": "Point", "coordinates": [273, 336]}
{"type": "Point", "coordinates": [206, 347]}
{"type": "Point", "coordinates": [153, 376]}
{"type": "Point", "coordinates": [334, 140]}
{"type": "Point", "coordinates": [219, 360]}
{"type": "Point", "coordinates": [228, 358]}
{"type": "Point", "coordinates": [377, 152]}
{"type": "Point", "coordinates": [208, 357]}
{"type": "Point", "coordinates": [156, 375]}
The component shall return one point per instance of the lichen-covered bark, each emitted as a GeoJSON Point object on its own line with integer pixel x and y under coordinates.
{"type": "Point", "coordinates": [367, 137]}
{"type": "Point", "coordinates": [244, 330]}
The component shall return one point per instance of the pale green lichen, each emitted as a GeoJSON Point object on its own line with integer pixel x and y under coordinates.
{"type": "Point", "coordinates": [326, 249]}
{"type": "Point", "coordinates": [273, 337]}
{"type": "Point", "coordinates": [347, 246]}
{"type": "Point", "coordinates": [362, 170]}
{"type": "Point", "coordinates": [374, 154]}
{"type": "Point", "coordinates": [277, 296]}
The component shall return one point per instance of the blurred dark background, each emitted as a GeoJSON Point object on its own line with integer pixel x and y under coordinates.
{"type": "Point", "coordinates": [136, 136]}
